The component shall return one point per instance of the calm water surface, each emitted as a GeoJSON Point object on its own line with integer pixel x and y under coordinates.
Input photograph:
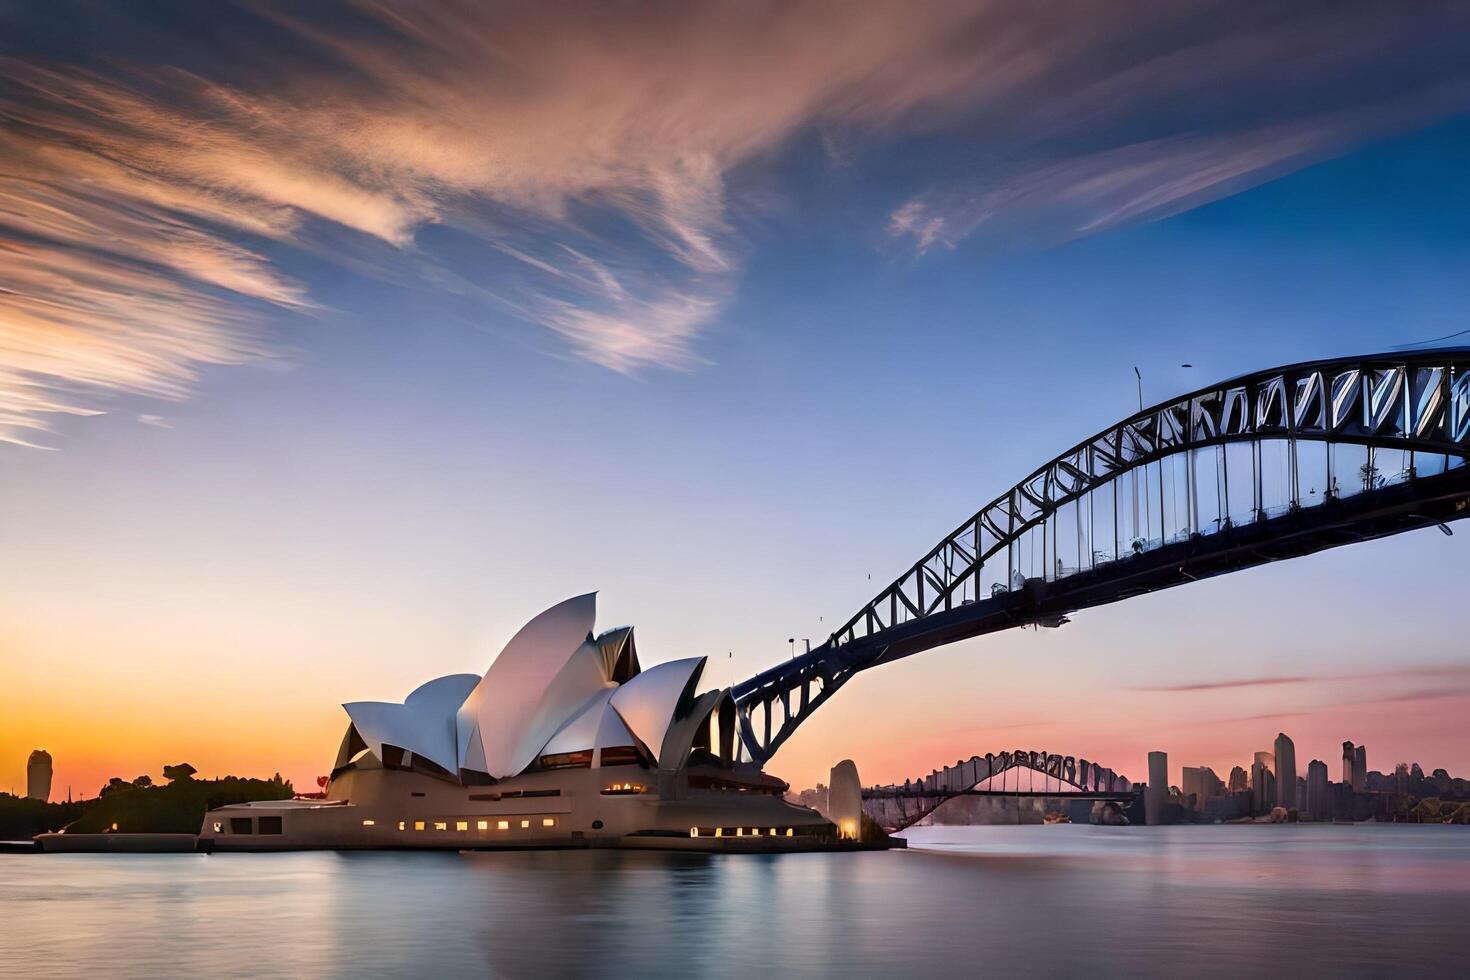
{"type": "Point", "coordinates": [1034, 901]}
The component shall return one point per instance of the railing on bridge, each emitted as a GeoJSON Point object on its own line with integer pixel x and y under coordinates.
{"type": "Point", "coordinates": [895, 806]}
{"type": "Point", "coordinates": [1273, 465]}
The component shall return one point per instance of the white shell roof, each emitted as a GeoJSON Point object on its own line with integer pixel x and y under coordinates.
{"type": "Point", "coordinates": [545, 673]}
{"type": "Point", "coordinates": [679, 738]}
{"type": "Point", "coordinates": [551, 690]}
{"type": "Point", "coordinates": [647, 703]}
{"type": "Point", "coordinates": [596, 726]}
{"type": "Point", "coordinates": [424, 723]}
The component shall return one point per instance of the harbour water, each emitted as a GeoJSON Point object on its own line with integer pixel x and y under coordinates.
{"type": "Point", "coordinates": [1309, 900]}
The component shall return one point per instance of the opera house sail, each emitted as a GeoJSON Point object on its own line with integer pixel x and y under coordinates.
{"type": "Point", "coordinates": [565, 741]}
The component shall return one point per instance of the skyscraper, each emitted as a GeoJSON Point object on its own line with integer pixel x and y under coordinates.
{"type": "Point", "coordinates": [1318, 806]}
{"type": "Point", "coordinates": [1285, 771]}
{"type": "Point", "coordinates": [1210, 785]}
{"type": "Point", "coordinates": [1360, 769]}
{"type": "Point", "coordinates": [1263, 783]}
{"type": "Point", "coordinates": [1157, 792]}
{"type": "Point", "coordinates": [38, 775]}
{"type": "Point", "coordinates": [1189, 783]}
{"type": "Point", "coordinates": [1239, 781]}
{"type": "Point", "coordinates": [1349, 759]}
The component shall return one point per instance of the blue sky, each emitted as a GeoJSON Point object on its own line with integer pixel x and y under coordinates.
{"type": "Point", "coordinates": [366, 412]}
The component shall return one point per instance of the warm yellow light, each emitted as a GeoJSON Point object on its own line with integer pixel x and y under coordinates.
{"type": "Point", "coordinates": [418, 825]}
{"type": "Point", "coordinates": [848, 829]}
{"type": "Point", "coordinates": [739, 831]}
{"type": "Point", "coordinates": [114, 827]}
{"type": "Point", "coordinates": [525, 824]}
{"type": "Point", "coordinates": [548, 821]}
{"type": "Point", "coordinates": [369, 823]}
{"type": "Point", "coordinates": [482, 825]}
{"type": "Point", "coordinates": [502, 825]}
{"type": "Point", "coordinates": [788, 832]}
{"type": "Point", "coordinates": [773, 831]}
{"type": "Point", "coordinates": [693, 831]}
{"type": "Point", "coordinates": [400, 825]}
{"type": "Point", "coordinates": [461, 825]}
{"type": "Point", "coordinates": [441, 824]}
{"type": "Point", "coordinates": [719, 831]}
{"type": "Point", "coordinates": [218, 826]}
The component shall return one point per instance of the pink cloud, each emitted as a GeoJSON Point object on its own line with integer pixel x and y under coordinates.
{"type": "Point", "coordinates": [597, 150]}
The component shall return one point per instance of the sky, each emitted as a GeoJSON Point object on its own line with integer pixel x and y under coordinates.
{"type": "Point", "coordinates": [338, 340]}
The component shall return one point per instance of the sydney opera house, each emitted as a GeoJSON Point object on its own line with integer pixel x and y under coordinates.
{"type": "Point", "coordinates": [566, 741]}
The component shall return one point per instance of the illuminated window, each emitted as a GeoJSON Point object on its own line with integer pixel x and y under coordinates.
{"type": "Point", "coordinates": [441, 825]}
{"type": "Point", "coordinates": [369, 823]}
{"type": "Point", "coordinates": [482, 825]}
{"type": "Point", "coordinates": [623, 789]}
{"type": "Point", "coordinates": [502, 825]}
{"type": "Point", "coordinates": [418, 825]}
{"type": "Point", "coordinates": [400, 825]}
{"type": "Point", "coordinates": [719, 831]}
{"type": "Point", "coordinates": [773, 831]}
{"type": "Point", "coordinates": [548, 821]}
{"type": "Point", "coordinates": [465, 825]}
{"type": "Point", "coordinates": [788, 832]}
{"type": "Point", "coordinates": [739, 831]}
{"type": "Point", "coordinates": [218, 826]}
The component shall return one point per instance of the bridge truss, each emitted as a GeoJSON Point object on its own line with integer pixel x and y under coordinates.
{"type": "Point", "coordinates": [895, 807]}
{"type": "Point", "coordinates": [1272, 465]}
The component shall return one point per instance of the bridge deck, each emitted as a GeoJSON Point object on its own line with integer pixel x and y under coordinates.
{"type": "Point", "coordinates": [1033, 794]}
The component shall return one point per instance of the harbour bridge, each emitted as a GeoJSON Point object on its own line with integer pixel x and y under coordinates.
{"type": "Point", "coordinates": [896, 807]}
{"type": "Point", "coordinates": [1264, 467]}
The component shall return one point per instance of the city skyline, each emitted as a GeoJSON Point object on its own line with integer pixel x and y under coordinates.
{"type": "Point", "coordinates": [380, 382]}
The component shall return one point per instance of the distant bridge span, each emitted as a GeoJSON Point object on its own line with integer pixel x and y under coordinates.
{"type": "Point", "coordinates": [895, 807]}
{"type": "Point", "coordinates": [1272, 465]}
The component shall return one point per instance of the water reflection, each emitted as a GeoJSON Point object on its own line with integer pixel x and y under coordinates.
{"type": "Point", "coordinates": [1023, 900]}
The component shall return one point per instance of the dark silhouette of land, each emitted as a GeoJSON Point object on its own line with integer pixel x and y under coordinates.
{"type": "Point", "coordinates": [138, 807]}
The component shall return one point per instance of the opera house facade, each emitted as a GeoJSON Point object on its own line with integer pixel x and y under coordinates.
{"type": "Point", "coordinates": [566, 741]}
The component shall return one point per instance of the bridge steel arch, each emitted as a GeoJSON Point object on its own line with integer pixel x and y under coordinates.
{"type": "Point", "coordinates": [895, 807]}
{"type": "Point", "coordinates": [1271, 465]}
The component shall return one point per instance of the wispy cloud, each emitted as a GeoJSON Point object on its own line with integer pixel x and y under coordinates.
{"type": "Point", "coordinates": [150, 214]}
{"type": "Point", "coordinates": [1226, 685]}
{"type": "Point", "coordinates": [1451, 676]}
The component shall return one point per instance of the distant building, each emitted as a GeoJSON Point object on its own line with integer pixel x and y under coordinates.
{"type": "Point", "coordinates": [1189, 784]}
{"type": "Point", "coordinates": [1360, 769]}
{"type": "Point", "coordinates": [1319, 805]}
{"type": "Point", "coordinates": [1239, 781]}
{"type": "Point", "coordinates": [1349, 760]}
{"type": "Point", "coordinates": [1202, 783]}
{"type": "Point", "coordinates": [1285, 771]}
{"type": "Point", "coordinates": [38, 775]}
{"type": "Point", "coordinates": [1156, 794]}
{"type": "Point", "coordinates": [1263, 783]}
{"type": "Point", "coordinates": [1401, 779]}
